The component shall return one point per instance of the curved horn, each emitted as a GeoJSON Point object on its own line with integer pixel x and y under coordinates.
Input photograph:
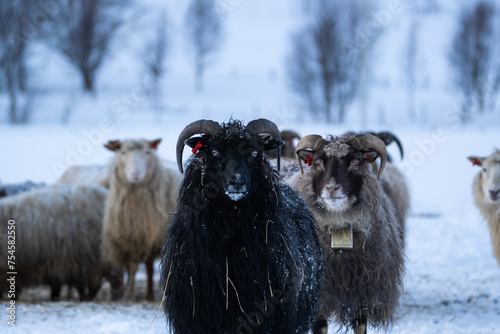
{"type": "Point", "coordinates": [262, 125]}
{"type": "Point", "coordinates": [388, 138]}
{"type": "Point", "coordinates": [308, 142]}
{"type": "Point", "coordinates": [367, 141]}
{"type": "Point", "coordinates": [289, 134]}
{"type": "Point", "coordinates": [202, 126]}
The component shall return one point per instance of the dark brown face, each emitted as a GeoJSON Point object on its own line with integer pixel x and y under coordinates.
{"type": "Point", "coordinates": [337, 182]}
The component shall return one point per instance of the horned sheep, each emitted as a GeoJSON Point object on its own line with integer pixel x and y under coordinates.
{"type": "Point", "coordinates": [242, 254]}
{"type": "Point", "coordinates": [141, 199]}
{"type": "Point", "coordinates": [359, 231]}
{"type": "Point", "coordinates": [486, 190]}
{"type": "Point", "coordinates": [57, 231]}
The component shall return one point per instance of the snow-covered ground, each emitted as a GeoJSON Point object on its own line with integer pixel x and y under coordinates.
{"type": "Point", "coordinates": [452, 283]}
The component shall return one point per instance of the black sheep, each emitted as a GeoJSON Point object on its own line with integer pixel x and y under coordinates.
{"type": "Point", "coordinates": [242, 254]}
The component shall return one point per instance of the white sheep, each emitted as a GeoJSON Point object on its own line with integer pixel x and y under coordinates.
{"type": "Point", "coordinates": [486, 190]}
{"type": "Point", "coordinates": [142, 196]}
{"type": "Point", "coordinates": [57, 232]}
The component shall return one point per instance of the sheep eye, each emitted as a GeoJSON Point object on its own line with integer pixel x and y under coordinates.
{"type": "Point", "coordinates": [124, 152]}
{"type": "Point", "coordinates": [148, 152]}
{"type": "Point", "coordinates": [484, 169]}
{"type": "Point", "coordinates": [355, 165]}
{"type": "Point", "coordinates": [254, 154]}
{"type": "Point", "coordinates": [215, 153]}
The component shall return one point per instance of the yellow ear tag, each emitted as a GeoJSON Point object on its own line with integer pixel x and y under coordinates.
{"type": "Point", "coordinates": [342, 237]}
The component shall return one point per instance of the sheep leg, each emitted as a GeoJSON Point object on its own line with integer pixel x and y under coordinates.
{"type": "Point", "coordinates": [320, 326]}
{"type": "Point", "coordinates": [132, 270]}
{"type": "Point", "coordinates": [149, 268]}
{"type": "Point", "coordinates": [115, 278]}
{"type": "Point", "coordinates": [55, 290]}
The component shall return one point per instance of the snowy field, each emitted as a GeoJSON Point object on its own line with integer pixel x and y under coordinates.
{"type": "Point", "coordinates": [452, 281]}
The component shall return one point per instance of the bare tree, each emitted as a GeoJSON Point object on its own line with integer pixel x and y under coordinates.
{"type": "Point", "coordinates": [472, 57]}
{"type": "Point", "coordinates": [410, 63]}
{"type": "Point", "coordinates": [302, 71]}
{"type": "Point", "coordinates": [154, 58]}
{"type": "Point", "coordinates": [204, 28]}
{"type": "Point", "coordinates": [325, 61]}
{"type": "Point", "coordinates": [13, 67]}
{"type": "Point", "coordinates": [156, 50]}
{"type": "Point", "coordinates": [83, 31]}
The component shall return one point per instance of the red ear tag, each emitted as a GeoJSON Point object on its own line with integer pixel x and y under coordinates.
{"type": "Point", "coordinates": [196, 148]}
{"type": "Point", "coordinates": [476, 162]}
{"type": "Point", "coordinates": [309, 161]}
{"type": "Point", "coordinates": [154, 146]}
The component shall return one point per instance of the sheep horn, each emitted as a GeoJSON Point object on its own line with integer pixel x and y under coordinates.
{"type": "Point", "coordinates": [201, 126]}
{"type": "Point", "coordinates": [308, 142]}
{"type": "Point", "coordinates": [289, 134]}
{"type": "Point", "coordinates": [263, 125]}
{"type": "Point", "coordinates": [367, 141]}
{"type": "Point", "coordinates": [388, 138]}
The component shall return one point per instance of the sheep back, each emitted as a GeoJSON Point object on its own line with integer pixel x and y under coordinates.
{"type": "Point", "coordinates": [13, 189]}
{"type": "Point", "coordinates": [58, 237]}
{"type": "Point", "coordinates": [395, 186]}
{"type": "Point", "coordinates": [92, 174]}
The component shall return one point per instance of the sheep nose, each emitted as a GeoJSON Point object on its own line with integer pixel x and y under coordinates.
{"type": "Point", "coordinates": [494, 193]}
{"type": "Point", "coordinates": [333, 187]}
{"type": "Point", "coordinates": [237, 180]}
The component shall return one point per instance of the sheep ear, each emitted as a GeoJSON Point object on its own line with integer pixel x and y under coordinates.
{"type": "Point", "coordinates": [305, 155]}
{"type": "Point", "coordinates": [271, 144]}
{"type": "Point", "coordinates": [197, 143]}
{"type": "Point", "coordinates": [369, 157]}
{"type": "Point", "coordinates": [476, 161]}
{"type": "Point", "coordinates": [113, 145]}
{"type": "Point", "coordinates": [154, 143]}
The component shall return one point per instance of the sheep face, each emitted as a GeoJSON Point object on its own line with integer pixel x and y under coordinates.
{"type": "Point", "coordinates": [135, 158]}
{"type": "Point", "coordinates": [490, 175]}
{"type": "Point", "coordinates": [232, 160]}
{"type": "Point", "coordinates": [337, 172]}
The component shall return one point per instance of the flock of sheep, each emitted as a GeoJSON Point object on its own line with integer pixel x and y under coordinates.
{"type": "Point", "coordinates": [244, 248]}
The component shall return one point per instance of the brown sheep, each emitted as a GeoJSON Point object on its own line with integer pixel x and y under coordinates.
{"type": "Point", "coordinates": [359, 231]}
